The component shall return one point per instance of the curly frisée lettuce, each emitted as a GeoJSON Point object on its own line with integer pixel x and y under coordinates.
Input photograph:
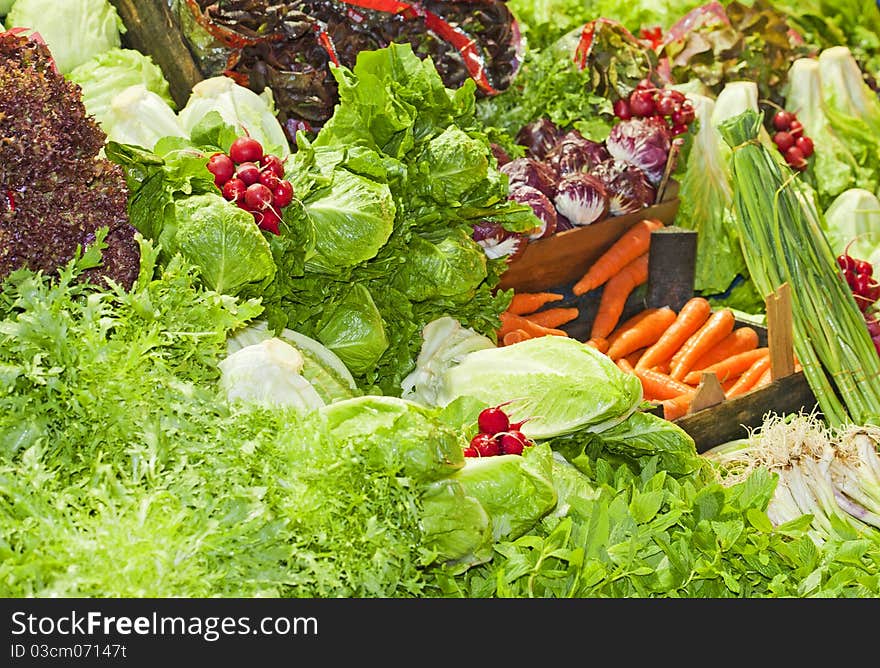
{"type": "Point", "coordinates": [556, 383]}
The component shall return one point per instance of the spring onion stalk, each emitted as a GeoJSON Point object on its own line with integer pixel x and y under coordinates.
{"type": "Point", "coordinates": [783, 242]}
{"type": "Point", "coordinates": [830, 474]}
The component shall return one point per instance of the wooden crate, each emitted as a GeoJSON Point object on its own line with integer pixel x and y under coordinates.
{"type": "Point", "coordinates": [564, 257]}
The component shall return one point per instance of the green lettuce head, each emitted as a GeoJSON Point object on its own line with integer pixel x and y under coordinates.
{"type": "Point", "coordinates": [223, 241]}
{"type": "Point", "coordinates": [403, 436]}
{"type": "Point", "coordinates": [355, 331]}
{"type": "Point", "coordinates": [74, 30]}
{"type": "Point", "coordinates": [515, 490]}
{"type": "Point", "coordinates": [110, 72]}
{"type": "Point", "coordinates": [556, 383]}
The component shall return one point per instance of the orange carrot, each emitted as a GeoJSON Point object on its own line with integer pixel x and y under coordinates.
{"type": "Point", "coordinates": [630, 245]}
{"type": "Point", "coordinates": [727, 385]}
{"type": "Point", "coordinates": [599, 344]}
{"type": "Point", "coordinates": [690, 318]}
{"type": "Point", "coordinates": [529, 302]}
{"type": "Point", "coordinates": [623, 365]}
{"type": "Point", "coordinates": [765, 379]}
{"type": "Point", "coordinates": [615, 293]}
{"type": "Point", "coordinates": [677, 407]}
{"type": "Point", "coordinates": [733, 366]}
{"type": "Point", "coordinates": [643, 334]}
{"type": "Point", "coordinates": [629, 322]}
{"type": "Point", "coordinates": [553, 317]}
{"type": "Point", "coordinates": [633, 358]}
{"type": "Point", "coordinates": [515, 336]}
{"type": "Point", "coordinates": [739, 340]}
{"type": "Point", "coordinates": [511, 321]}
{"type": "Point", "coordinates": [746, 382]}
{"type": "Point", "coordinates": [658, 386]}
{"type": "Point", "coordinates": [713, 331]}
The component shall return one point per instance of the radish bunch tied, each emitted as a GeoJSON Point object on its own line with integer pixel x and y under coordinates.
{"type": "Point", "coordinates": [254, 180]}
{"type": "Point", "coordinates": [497, 435]}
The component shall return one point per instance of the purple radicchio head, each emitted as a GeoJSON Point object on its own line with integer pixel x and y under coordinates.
{"type": "Point", "coordinates": [643, 143]}
{"type": "Point", "coordinates": [538, 137]}
{"type": "Point", "coordinates": [627, 186]}
{"type": "Point", "coordinates": [498, 242]}
{"type": "Point", "coordinates": [575, 153]}
{"type": "Point", "coordinates": [542, 207]}
{"type": "Point", "coordinates": [582, 199]}
{"type": "Point", "coordinates": [529, 172]}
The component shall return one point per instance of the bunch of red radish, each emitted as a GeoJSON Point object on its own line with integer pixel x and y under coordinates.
{"type": "Point", "coordinates": [254, 180]}
{"type": "Point", "coordinates": [859, 275]}
{"type": "Point", "coordinates": [497, 435]}
{"type": "Point", "coordinates": [648, 101]}
{"type": "Point", "coordinates": [790, 140]}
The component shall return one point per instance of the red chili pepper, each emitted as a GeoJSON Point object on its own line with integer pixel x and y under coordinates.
{"type": "Point", "coordinates": [327, 43]}
{"type": "Point", "coordinates": [582, 52]}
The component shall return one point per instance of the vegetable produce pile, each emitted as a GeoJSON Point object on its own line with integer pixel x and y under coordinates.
{"type": "Point", "coordinates": [254, 344]}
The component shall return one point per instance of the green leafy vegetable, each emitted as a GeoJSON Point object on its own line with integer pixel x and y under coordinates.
{"type": "Point", "coordinates": [321, 366]}
{"type": "Point", "coordinates": [223, 241]}
{"type": "Point", "coordinates": [74, 30]}
{"type": "Point", "coordinates": [354, 330]}
{"type": "Point", "coordinates": [110, 72]}
{"type": "Point", "coordinates": [557, 383]}
{"type": "Point", "coordinates": [515, 490]}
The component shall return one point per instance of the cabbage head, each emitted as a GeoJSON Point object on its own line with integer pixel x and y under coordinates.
{"type": "Point", "coordinates": [74, 30]}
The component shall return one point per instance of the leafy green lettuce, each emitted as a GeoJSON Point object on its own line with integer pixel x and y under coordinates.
{"type": "Point", "coordinates": [110, 72]}
{"type": "Point", "coordinates": [556, 383]}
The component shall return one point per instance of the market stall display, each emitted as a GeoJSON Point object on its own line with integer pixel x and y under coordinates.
{"type": "Point", "coordinates": [442, 299]}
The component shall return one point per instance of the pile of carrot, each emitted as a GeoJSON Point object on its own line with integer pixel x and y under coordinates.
{"type": "Point", "coordinates": [670, 352]}
{"type": "Point", "coordinates": [620, 269]}
{"type": "Point", "coordinates": [526, 317]}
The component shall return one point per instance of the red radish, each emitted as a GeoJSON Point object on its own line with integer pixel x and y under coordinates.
{"type": "Point", "coordinates": [486, 445]}
{"type": "Point", "coordinates": [677, 96]}
{"type": "Point", "coordinates": [248, 172]}
{"type": "Point", "coordinates": [846, 262]}
{"type": "Point", "coordinates": [222, 167]}
{"type": "Point", "coordinates": [622, 110]}
{"type": "Point", "coordinates": [269, 179]}
{"type": "Point", "coordinates": [268, 220]}
{"type": "Point", "coordinates": [234, 189]}
{"type": "Point", "coordinates": [863, 267]}
{"type": "Point", "coordinates": [664, 103]}
{"type": "Point", "coordinates": [782, 120]}
{"type": "Point", "coordinates": [273, 164]}
{"type": "Point", "coordinates": [783, 140]}
{"type": "Point", "coordinates": [258, 197]}
{"type": "Point", "coordinates": [678, 129]}
{"type": "Point", "coordinates": [470, 451]}
{"type": "Point", "coordinates": [796, 128]}
{"type": "Point", "coordinates": [283, 193]}
{"type": "Point", "coordinates": [246, 149]}
{"type": "Point", "coordinates": [641, 102]}
{"type": "Point", "coordinates": [685, 115]}
{"type": "Point", "coordinates": [493, 421]}
{"type": "Point", "coordinates": [513, 442]}
{"type": "Point", "coordinates": [805, 144]}
{"type": "Point", "coordinates": [795, 158]}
